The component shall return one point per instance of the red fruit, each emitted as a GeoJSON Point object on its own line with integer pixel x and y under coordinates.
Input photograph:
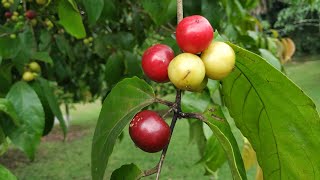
{"type": "Point", "coordinates": [8, 14]}
{"type": "Point", "coordinates": [155, 62]}
{"type": "Point", "coordinates": [194, 34]}
{"type": "Point", "coordinates": [149, 131]}
{"type": "Point", "coordinates": [30, 14]}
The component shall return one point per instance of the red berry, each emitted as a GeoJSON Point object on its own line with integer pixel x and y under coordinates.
{"type": "Point", "coordinates": [155, 62]}
{"type": "Point", "coordinates": [149, 131]}
{"type": "Point", "coordinates": [8, 14]}
{"type": "Point", "coordinates": [194, 34]}
{"type": "Point", "coordinates": [30, 14]}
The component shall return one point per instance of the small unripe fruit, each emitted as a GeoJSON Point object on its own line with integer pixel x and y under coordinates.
{"type": "Point", "coordinates": [155, 62]}
{"type": "Point", "coordinates": [28, 76]}
{"type": "Point", "coordinates": [186, 71]}
{"type": "Point", "coordinates": [86, 41]}
{"type": "Point", "coordinates": [219, 60]}
{"type": "Point", "coordinates": [11, 1]}
{"type": "Point", "coordinates": [35, 67]}
{"type": "Point", "coordinates": [149, 131]}
{"type": "Point", "coordinates": [194, 34]}
{"type": "Point", "coordinates": [30, 14]}
{"type": "Point", "coordinates": [13, 36]}
{"type": "Point", "coordinates": [34, 22]}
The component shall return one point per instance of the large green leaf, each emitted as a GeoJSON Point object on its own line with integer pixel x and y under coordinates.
{"type": "Point", "coordinates": [215, 119]}
{"type": "Point", "coordinates": [53, 103]}
{"type": "Point", "coordinates": [9, 47]}
{"type": "Point", "coordinates": [50, 105]}
{"type": "Point", "coordinates": [127, 98]}
{"type": "Point", "coordinates": [70, 19]}
{"type": "Point", "coordinates": [6, 174]}
{"type": "Point", "coordinates": [94, 9]}
{"type": "Point", "coordinates": [114, 69]}
{"type": "Point", "coordinates": [42, 56]}
{"type": "Point", "coordinates": [276, 116]}
{"type": "Point", "coordinates": [7, 108]}
{"type": "Point", "coordinates": [30, 112]}
{"type": "Point", "coordinates": [127, 172]}
{"type": "Point", "coordinates": [160, 11]}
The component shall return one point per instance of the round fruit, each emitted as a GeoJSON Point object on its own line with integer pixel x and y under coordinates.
{"type": "Point", "coordinates": [6, 5]}
{"type": "Point", "coordinates": [155, 62]}
{"type": "Point", "coordinates": [194, 34]}
{"type": "Point", "coordinates": [149, 131]}
{"type": "Point", "coordinates": [8, 14]}
{"type": "Point", "coordinates": [28, 76]}
{"type": "Point", "coordinates": [219, 59]}
{"type": "Point", "coordinates": [30, 14]}
{"type": "Point", "coordinates": [41, 2]}
{"type": "Point", "coordinates": [35, 67]}
{"type": "Point", "coordinates": [13, 36]}
{"type": "Point", "coordinates": [186, 71]}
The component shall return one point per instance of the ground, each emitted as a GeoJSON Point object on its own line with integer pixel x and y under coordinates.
{"type": "Point", "coordinates": [61, 160]}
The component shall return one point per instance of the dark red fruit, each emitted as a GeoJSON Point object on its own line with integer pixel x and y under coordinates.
{"type": "Point", "coordinates": [30, 14]}
{"type": "Point", "coordinates": [194, 34]}
{"type": "Point", "coordinates": [155, 62]}
{"type": "Point", "coordinates": [8, 14]}
{"type": "Point", "coordinates": [149, 131]}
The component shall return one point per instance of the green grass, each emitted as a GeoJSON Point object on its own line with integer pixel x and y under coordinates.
{"type": "Point", "coordinates": [59, 160]}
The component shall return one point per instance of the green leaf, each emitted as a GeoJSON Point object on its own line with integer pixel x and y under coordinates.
{"type": "Point", "coordinates": [9, 47]}
{"type": "Point", "coordinates": [114, 69]}
{"type": "Point", "coordinates": [278, 119]}
{"type": "Point", "coordinates": [30, 112]}
{"type": "Point", "coordinates": [269, 57]}
{"type": "Point", "coordinates": [6, 174]}
{"type": "Point", "coordinates": [213, 156]}
{"type": "Point", "coordinates": [125, 100]}
{"type": "Point", "coordinates": [7, 108]}
{"type": "Point", "coordinates": [65, 47]}
{"type": "Point", "coordinates": [94, 9]}
{"type": "Point", "coordinates": [53, 103]}
{"type": "Point", "coordinates": [160, 11]}
{"type": "Point", "coordinates": [70, 19]}
{"type": "Point", "coordinates": [132, 64]}
{"type": "Point", "coordinates": [27, 47]}
{"type": "Point", "coordinates": [42, 56]}
{"type": "Point", "coordinates": [215, 119]}
{"type": "Point", "coordinates": [127, 172]}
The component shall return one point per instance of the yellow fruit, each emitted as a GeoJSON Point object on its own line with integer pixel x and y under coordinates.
{"type": "Point", "coordinates": [201, 86]}
{"type": "Point", "coordinates": [28, 76]}
{"type": "Point", "coordinates": [11, 1]}
{"type": "Point", "coordinates": [6, 5]}
{"type": "Point", "coordinates": [219, 60]}
{"type": "Point", "coordinates": [86, 41]}
{"type": "Point", "coordinates": [186, 71]}
{"type": "Point", "coordinates": [34, 67]}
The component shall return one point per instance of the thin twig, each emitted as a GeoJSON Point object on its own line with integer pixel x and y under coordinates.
{"type": "Point", "coordinates": [173, 123]}
{"type": "Point", "coordinates": [164, 102]}
{"type": "Point", "coordinates": [179, 10]}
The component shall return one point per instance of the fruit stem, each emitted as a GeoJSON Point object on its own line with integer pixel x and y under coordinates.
{"type": "Point", "coordinates": [175, 117]}
{"type": "Point", "coordinates": [179, 10]}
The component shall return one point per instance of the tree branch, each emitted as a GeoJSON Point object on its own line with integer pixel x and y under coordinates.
{"type": "Point", "coordinates": [173, 123]}
{"type": "Point", "coordinates": [179, 10]}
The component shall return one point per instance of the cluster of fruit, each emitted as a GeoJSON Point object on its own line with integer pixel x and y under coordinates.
{"type": "Point", "coordinates": [7, 3]}
{"type": "Point", "coordinates": [32, 71]}
{"type": "Point", "coordinates": [88, 41]}
{"type": "Point", "coordinates": [201, 59]}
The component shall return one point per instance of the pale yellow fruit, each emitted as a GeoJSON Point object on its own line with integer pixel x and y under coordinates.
{"type": "Point", "coordinates": [186, 71]}
{"type": "Point", "coordinates": [35, 67]}
{"type": "Point", "coordinates": [28, 76]}
{"type": "Point", "coordinates": [219, 60]}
